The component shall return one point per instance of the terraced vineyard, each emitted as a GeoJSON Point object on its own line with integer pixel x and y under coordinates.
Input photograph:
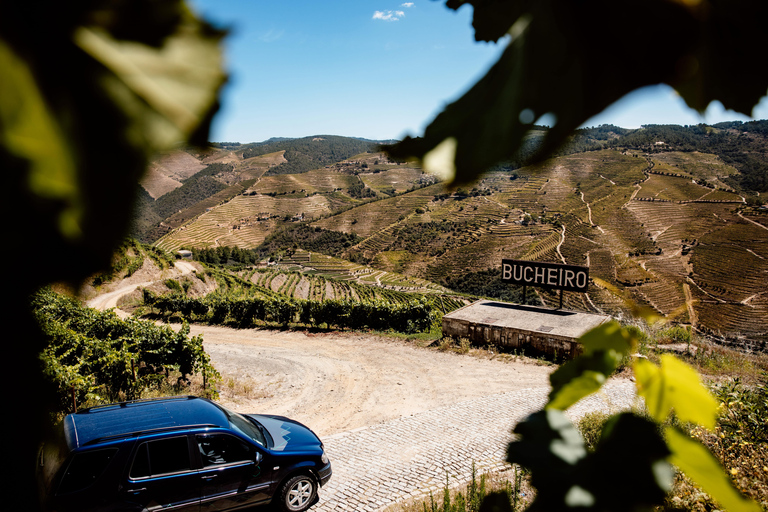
{"type": "Point", "coordinates": [317, 181]}
{"type": "Point", "coordinates": [302, 285]}
{"type": "Point", "coordinates": [671, 188]}
{"type": "Point", "coordinates": [662, 229]}
{"type": "Point", "coordinates": [400, 179]}
{"type": "Point", "coordinates": [242, 222]}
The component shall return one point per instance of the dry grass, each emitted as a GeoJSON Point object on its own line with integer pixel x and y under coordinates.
{"type": "Point", "coordinates": [235, 387]}
{"type": "Point", "coordinates": [739, 442]}
{"type": "Point", "coordinates": [511, 482]}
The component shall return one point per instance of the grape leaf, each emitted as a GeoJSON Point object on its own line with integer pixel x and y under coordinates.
{"type": "Point", "coordinates": [168, 92]}
{"type": "Point", "coordinates": [579, 378]}
{"type": "Point", "coordinates": [608, 336]}
{"type": "Point", "coordinates": [604, 348]}
{"type": "Point", "coordinates": [675, 386]}
{"type": "Point", "coordinates": [30, 132]}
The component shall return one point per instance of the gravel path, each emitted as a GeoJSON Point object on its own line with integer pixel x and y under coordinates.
{"type": "Point", "coordinates": [407, 458]}
{"type": "Point", "coordinates": [395, 418]}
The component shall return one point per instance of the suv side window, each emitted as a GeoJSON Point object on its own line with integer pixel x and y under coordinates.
{"type": "Point", "coordinates": [84, 469]}
{"type": "Point", "coordinates": [217, 449]}
{"type": "Point", "coordinates": [161, 457]}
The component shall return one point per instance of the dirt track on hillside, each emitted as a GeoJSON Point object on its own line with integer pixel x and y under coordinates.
{"type": "Point", "coordinates": [335, 382]}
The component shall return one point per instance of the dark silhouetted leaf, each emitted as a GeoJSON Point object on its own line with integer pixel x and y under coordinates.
{"type": "Point", "coordinates": [496, 502]}
{"type": "Point", "coordinates": [628, 469]}
{"type": "Point", "coordinates": [563, 59]}
{"type": "Point", "coordinates": [551, 447]}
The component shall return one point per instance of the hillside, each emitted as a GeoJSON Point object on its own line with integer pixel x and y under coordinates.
{"type": "Point", "coordinates": [663, 216]}
{"type": "Point", "coordinates": [302, 155]}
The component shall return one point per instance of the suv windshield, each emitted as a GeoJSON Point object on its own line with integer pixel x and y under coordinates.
{"type": "Point", "coordinates": [247, 427]}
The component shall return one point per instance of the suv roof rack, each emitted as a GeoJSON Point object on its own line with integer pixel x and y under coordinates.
{"type": "Point", "coordinates": [158, 430]}
{"type": "Point", "coordinates": [138, 401]}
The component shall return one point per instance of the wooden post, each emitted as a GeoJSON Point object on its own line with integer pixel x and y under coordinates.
{"type": "Point", "coordinates": [205, 380]}
{"type": "Point", "coordinates": [561, 299]}
{"type": "Point", "coordinates": [133, 370]}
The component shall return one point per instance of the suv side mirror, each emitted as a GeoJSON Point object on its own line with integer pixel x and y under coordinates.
{"type": "Point", "coordinates": [258, 458]}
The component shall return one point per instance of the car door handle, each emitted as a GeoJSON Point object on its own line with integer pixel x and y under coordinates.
{"type": "Point", "coordinates": [136, 491]}
{"type": "Point", "coordinates": [209, 477]}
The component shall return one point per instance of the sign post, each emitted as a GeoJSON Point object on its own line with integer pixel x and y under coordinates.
{"type": "Point", "coordinates": [552, 276]}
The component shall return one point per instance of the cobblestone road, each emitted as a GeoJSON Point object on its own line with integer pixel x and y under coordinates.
{"type": "Point", "coordinates": [377, 466]}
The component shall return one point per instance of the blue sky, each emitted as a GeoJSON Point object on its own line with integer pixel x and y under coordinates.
{"type": "Point", "coordinates": [377, 69]}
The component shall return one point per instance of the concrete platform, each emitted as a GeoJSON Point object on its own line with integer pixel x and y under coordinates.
{"type": "Point", "coordinates": [516, 326]}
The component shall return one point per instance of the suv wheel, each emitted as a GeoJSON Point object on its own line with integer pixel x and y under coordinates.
{"type": "Point", "coordinates": [298, 493]}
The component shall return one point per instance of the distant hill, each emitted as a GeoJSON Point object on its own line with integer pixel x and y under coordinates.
{"type": "Point", "coordinates": [309, 153]}
{"type": "Point", "coordinates": [664, 216]}
{"type": "Point", "coordinates": [179, 180]}
{"type": "Point", "coordinates": [742, 145]}
{"type": "Point", "coordinates": [168, 172]}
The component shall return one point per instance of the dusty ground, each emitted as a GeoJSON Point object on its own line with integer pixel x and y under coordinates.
{"type": "Point", "coordinates": [335, 382]}
{"type": "Point", "coordinates": [338, 381]}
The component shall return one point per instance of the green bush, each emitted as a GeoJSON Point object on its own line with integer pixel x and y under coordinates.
{"type": "Point", "coordinates": [591, 427]}
{"type": "Point", "coordinates": [97, 357]}
{"type": "Point", "coordinates": [173, 285]}
{"type": "Point", "coordinates": [675, 334]}
{"type": "Point", "coordinates": [408, 317]}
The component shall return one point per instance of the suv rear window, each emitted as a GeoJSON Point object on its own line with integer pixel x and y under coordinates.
{"type": "Point", "coordinates": [84, 469]}
{"type": "Point", "coordinates": [161, 457]}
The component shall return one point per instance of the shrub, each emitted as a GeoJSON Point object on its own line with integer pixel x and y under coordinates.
{"type": "Point", "coordinates": [591, 427]}
{"type": "Point", "coordinates": [97, 357]}
{"type": "Point", "coordinates": [406, 316]}
{"type": "Point", "coordinates": [740, 443]}
{"type": "Point", "coordinates": [675, 334]}
{"type": "Point", "coordinates": [173, 285]}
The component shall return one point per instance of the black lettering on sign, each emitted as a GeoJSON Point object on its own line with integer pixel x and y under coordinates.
{"type": "Point", "coordinates": [571, 278]}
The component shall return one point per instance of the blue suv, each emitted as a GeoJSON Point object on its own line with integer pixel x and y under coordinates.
{"type": "Point", "coordinates": [181, 454]}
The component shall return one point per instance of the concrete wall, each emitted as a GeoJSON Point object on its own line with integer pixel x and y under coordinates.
{"type": "Point", "coordinates": [511, 338]}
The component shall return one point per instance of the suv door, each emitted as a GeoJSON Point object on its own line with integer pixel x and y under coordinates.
{"type": "Point", "coordinates": [162, 476]}
{"type": "Point", "coordinates": [232, 475]}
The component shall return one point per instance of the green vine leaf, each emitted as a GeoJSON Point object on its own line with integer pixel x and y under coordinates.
{"type": "Point", "coordinates": [167, 92]}
{"type": "Point", "coordinates": [30, 132]}
{"type": "Point", "coordinates": [579, 378]}
{"type": "Point", "coordinates": [675, 386]}
{"type": "Point", "coordinates": [695, 461]}
{"type": "Point", "coordinates": [604, 348]}
{"type": "Point", "coordinates": [609, 336]}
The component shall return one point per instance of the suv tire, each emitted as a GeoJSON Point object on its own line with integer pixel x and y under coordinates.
{"type": "Point", "coordinates": [298, 494]}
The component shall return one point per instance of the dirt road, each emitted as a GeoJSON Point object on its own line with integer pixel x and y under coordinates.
{"type": "Point", "coordinates": [396, 419]}
{"type": "Point", "coordinates": [337, 382]}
